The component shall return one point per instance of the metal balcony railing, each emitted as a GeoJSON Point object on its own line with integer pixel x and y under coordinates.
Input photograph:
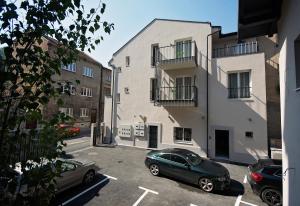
{"type": "Point", "coordinates": [179, 94]}
{"type": "Point", "coordinates": [235, 50]}
{"type": "Point", "coordinates": [241, 92]}
{"type": "Point", "coordinates": [181, 52]}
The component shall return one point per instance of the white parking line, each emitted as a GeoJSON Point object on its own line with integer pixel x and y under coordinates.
{"type": "Point", "coordinates": [238, 200]}
{"type": "Point", "coordinates": [80, 150]}
{"type": "Point", "coordinates": [110, 177]}
{"type": "Point", "coordinates": [193, 205]}
{"type": "Point", "coordinates": [245, 179]}
{"type": "Point", "coordinates": [143, 195]}
{"type": "Point", "coordinates": [247, 203]}
{"type": "Point", "coordinates": [78, 142]}
{"type": "Point", "coordinates": [88, 189]}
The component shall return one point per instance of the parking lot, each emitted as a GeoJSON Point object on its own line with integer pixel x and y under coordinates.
{"type": "Point", "coordinates": [123, 179]}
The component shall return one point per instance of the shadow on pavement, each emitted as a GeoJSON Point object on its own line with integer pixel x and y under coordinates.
{"type": "Point", "coordinates": [84, 198]}
{"type": "Point", "coordinates": [236, 188]}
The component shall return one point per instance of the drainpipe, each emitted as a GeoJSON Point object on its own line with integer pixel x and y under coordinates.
{"type": "Point", "coordinates": [112, 100]}
{"type": "Point", "coordinates": [207, 75]}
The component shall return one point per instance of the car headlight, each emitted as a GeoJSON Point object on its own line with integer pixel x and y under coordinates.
{"type": "Point", "coordinates": [221, 179]}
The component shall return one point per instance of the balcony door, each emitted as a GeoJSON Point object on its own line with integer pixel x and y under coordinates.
{"type": "Point", "coordinates": [183, 49]}
{"type": "Point", "coordinates": [183, 88]}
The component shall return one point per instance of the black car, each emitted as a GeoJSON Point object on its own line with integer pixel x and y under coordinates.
{"type": "Point", "coordinates": [189, 167]}
{"type": "Point", "coordinates": [265, 178]}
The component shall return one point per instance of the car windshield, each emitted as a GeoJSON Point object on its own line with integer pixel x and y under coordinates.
{"type": "Point", "coordinates": [193, 158]}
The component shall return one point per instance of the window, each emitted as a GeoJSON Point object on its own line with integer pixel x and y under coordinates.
{"type": "Point", "coordinates": [87, 72]}
{"type": "Point", "coordinates": [183, 49]}
{"type": "Point", "coordinates": [68, 87]}
{"type": "Point", "coordinates": [249, 134]}
{"type": "Point", "coordinates": [154, 54]}
{"type": "Point", "coordinates": [239, 85]}
{"type": "Point", "coordinates": [70, 67]}
{"type": "Point", "coordinates": [177, 159]}
{"type": "Point", "coordinates": [108, 78]}
{"type": "Point", "coordinates": [165, 156]}
{"type": "Point", "coordinates": [67, 111]}
{"type": "Point", "coordinates": [153, 89]}
{"type": "Point", "coordinates": [83, 112]}
{"type": "Point", "coordinates": [86, 92]}
{"type": "Point", "coordinates": [183, 88]}
{"type": "Point", "coordinates": [106, 91]}
{"type": "Point", "coordinates": [297, 61]}
{"type": "Point", "coordinates": [182, 134]}
{"type": "Point", "coordinates": [65, 166]}
{"type": "Point", "coordinates": [127, 61]}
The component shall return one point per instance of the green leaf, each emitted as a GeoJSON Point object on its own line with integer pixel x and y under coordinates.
{"type": "Point", "coordinates": [77, 3]}
{"type": "Point", "coordinates": [103, 8]}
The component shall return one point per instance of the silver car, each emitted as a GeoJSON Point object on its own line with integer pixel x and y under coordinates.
{"type": "Point", "coordinates": [73, 172]}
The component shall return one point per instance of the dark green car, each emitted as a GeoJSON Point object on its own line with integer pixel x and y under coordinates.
{"type": "Point", "coordinates": [189, 167]}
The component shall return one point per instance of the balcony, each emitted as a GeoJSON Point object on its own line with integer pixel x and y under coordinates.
{"type": "Point", "coordinates": [177, 96]}
{"type": "Point", "coordinates": [181, 55]}
{"type": "Point", "coordinates": [235, 50]}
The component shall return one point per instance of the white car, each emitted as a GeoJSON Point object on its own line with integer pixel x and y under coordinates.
{"type": "Point", "coordinates": [73, 172]}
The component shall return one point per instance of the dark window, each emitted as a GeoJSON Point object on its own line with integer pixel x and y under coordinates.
{"type": "Point", "coordinates": [165, 156]}
{"type": "Point", "coordinates": [154, 54]}
{"type": "Point", "coordinates": [297, 61]}
{"type": "Point", "coordinates": [249, 134]}
{"type": "Point", "coordinates": [182, 134]}
{"type": "Point", "coordinates": [239, 85]}
{"type": "Point", "coordinates": [153, 88]}
{"type": "Point", "coordinates": [176, 158]}
{"type": "Point", "coordinates": [127, 61]}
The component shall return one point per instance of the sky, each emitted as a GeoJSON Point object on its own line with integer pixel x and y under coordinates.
{"type": "Point", "coordinates": [130, 16]}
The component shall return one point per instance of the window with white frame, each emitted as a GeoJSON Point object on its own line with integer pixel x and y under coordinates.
{"type": "Point", "coordinates": [68, 88]}
{"type": "Point", "coordinates": [183, 135]}
{"type": "Point", "coordinates": [66, 110]}
{"type": "Point", "coordinates": [239, 85]}
{"type": "Point", "coordinates": [70, 67]}
{"type": "Point", "coordinates": [183, 49]}
{"type": "Point", "coordinates": [83, 112]}
{"type": "Point", "coordinates": [87, 72]}
{"type": "Point", "coordinates": [86, 92]}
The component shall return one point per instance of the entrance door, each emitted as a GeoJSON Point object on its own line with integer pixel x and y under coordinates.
{"type": "Point", "coordinates": [153, 136]}
{"type": "Point", "coordinates": [222, 143]}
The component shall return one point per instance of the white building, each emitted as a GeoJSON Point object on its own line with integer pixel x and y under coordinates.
{"type": "Point", "coordinates": [282, 16]}
{"type": "Point", "coordinates": [163, 99]}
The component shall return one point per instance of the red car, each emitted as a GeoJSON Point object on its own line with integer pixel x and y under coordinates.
{"type": "Point", "coordinates": [69, 130]}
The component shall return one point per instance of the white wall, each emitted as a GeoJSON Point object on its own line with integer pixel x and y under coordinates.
{"type": "Point", "coordinates": [289, 29]}
{"type": "Point", "coordinates": [137, 78]}
{"type": "Point", "coordinates": [137, 103]}
{"type": "Point", "coordinates": [235, 114]}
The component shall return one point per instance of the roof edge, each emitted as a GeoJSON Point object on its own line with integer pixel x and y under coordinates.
{"type": "Point", "coordinates": [149, 24]}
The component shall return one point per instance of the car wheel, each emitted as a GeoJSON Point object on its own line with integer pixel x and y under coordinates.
{"type": "Point", "coordinates": [89, 177]}
{"type": "Point", "coordinates": [271, 197]}
{"type": "Point", "coordinates": [206, 184]}
{"type": "Point", "coordinates": [154, 169]}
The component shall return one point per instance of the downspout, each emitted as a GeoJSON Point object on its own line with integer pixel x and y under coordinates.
{"type": "Point", "coordinates": [207, 107]}
{"type": "Point", "coordinates": [112, 100]}
{"type": "Point", "coordinates": [100, 114]}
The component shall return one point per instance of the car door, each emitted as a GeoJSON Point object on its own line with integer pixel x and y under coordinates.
{"type": "Point", "coordinates": [180, 168]}
{"type": "Point", "coordinates": [164, 164]}
{"type": "Point", "coordinates": [68, 176]}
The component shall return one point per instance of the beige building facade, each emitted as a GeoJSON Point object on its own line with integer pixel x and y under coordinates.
{"type": "Point", "coordinates": [161, 96]}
